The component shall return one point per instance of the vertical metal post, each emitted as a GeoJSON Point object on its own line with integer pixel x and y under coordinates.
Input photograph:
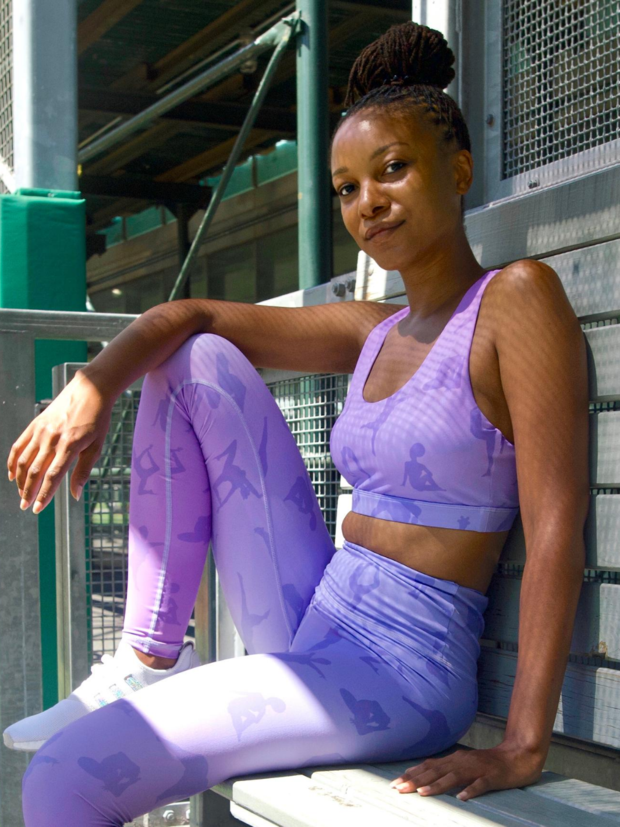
{"type": "Point", "coordinates": [445, 16]}
{"type": "Point", "coordinates": [45, 94]}
{"type": "Point", "coordinates": [20, 653]}
{"type": "Point", "coordinates": [313, 188]}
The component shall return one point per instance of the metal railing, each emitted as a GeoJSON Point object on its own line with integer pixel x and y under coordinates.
{"type": "Point", "coordinates": [91, 535]}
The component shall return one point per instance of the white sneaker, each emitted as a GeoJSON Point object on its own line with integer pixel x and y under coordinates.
{"type": "Point", "coordinates": [115, 677]}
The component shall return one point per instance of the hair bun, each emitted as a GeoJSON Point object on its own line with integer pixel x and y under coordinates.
{"type": "Point", "coordinates": [409, 53]}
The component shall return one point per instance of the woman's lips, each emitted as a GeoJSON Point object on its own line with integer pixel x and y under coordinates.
{"type": "Point", "coordinates": [381, 234]}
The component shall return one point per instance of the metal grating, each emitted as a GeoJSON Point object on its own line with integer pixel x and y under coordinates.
{"type": "Point", "coordinates": [6, 92]}
{"type": "Point", "coordinates": [310, 405]}
{"type": "Point", "coordinates": [106, 502]}
{"type": "Point", "coordinates": [560, 84]}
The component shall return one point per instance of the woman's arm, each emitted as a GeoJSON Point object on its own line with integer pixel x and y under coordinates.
{"type": "Point", "coordinates": [543, 367]}
{"type": "Point", "coordinates": [321, 338]}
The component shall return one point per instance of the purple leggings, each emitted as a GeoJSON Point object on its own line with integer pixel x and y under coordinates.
{"type": "Point", "coordinates": [353, 657]}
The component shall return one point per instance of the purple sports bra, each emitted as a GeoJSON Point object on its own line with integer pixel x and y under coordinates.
{"type": "Point", "coordinates": [427, 454]}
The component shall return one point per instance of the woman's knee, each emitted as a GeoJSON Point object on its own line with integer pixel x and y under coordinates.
{"type": "Point", "coordinates": [205, 357]}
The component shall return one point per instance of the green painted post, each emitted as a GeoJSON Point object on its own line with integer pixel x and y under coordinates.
{"type": "Point", "coordinates": [313, 187]}
{"type": "Point", "coordinates": [42, 267]}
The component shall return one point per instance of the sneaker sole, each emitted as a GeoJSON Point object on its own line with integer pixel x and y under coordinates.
{"type": "Point", "coordinates": [22, 746]}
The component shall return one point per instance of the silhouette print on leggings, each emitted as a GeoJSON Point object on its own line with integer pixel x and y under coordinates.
{"type": "Point", "coordinates": [437, 735]}
{"type": "Point", "coordinates": [235, 475]}
{"type": "Point", "coordinates": [310, 659]}
{"type": "Point", "coordinates": [39, 758]}
{"type": "Point", "coordinates": [228, 381]}
{"type": "Point", "coordinates": [331, 637]}
{"type": "Point", "coordinates": [295, 602]}
{"type": "Point", "coordinates": [371, 662]}
{"type": "Point", "coordinates": [301, 495]}
{"type": "Point", "coordinates": [360, 590]}
{"type": "Point", "coordinates": [195, 770]}
{"type": "Point", "coordinates": [262, 533]}
{"type": "Point", "coordinates": [368, 715]}
{"type": "Point", "coordinates": [117, 771]}
{"type": "Point", "coordinates": [250, 708]}
{"type": "Point", "coordinates": [262, 450]}
{"type": "Point", "coordinates": [145, 471]}
{"type": "Point", "coordinates": [176, 466]}
{"type": "Point", "coordinates": [201, 532]}
{"type": "Point", "coordinates": [248, 620]}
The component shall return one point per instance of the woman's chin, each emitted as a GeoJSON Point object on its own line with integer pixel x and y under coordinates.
{"type": "Point", "coordinates": [386, 261]}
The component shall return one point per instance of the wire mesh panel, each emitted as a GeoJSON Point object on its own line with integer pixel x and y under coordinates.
{"type": "Point", "coordinates": [560, 80]}
{"type": "Point", "coordinates": [310, 405]}
{"type": "Point", "coordinates": [6, 91]}
{"type": "Point", "coordinates": [106, 501]}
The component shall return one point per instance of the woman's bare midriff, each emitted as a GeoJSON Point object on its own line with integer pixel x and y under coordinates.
{"type": "Point", "coordinates": [465, 557]}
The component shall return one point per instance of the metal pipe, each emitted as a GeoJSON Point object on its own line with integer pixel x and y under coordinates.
{"type": "Point", "coordinates": [314, 200]}
{"type": "Point", "coordinates": [203, 81]}
{"type": "Point", "coordinates": [291, 29]}
{"type": "Point", "coordinates": [45, 94]}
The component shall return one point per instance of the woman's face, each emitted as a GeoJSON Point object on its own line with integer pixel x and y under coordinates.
{"type": "Point", "coordinates": [399, 190]}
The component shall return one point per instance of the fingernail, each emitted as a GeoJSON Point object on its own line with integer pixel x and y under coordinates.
{"type": "Point", "coordinates": [11, 477]}
{"type": "Point", "coordinates": [37, 507]}
{"type": "Point", "coordinates": [23, 505]}
{"type": "Point", "coordinates": [423, 790]}
{"type": "Point", "coordinates": [78, 492]}
{"type": "Point", "coordinates": [402, 785]}
{"type": "Point", "coordinates": [462, 796]}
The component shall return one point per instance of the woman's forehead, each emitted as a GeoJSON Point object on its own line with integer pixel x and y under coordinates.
{"type": "Point", "coordinates": [366, 131]}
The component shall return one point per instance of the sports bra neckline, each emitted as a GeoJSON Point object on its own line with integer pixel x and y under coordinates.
{"type": "Point", "coordinates": [373, 352]}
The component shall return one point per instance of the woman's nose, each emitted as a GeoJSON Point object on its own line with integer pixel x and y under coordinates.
{"type": "Point", "coordinates": [372, 200]}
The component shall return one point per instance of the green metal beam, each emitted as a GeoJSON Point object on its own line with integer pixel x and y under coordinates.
{"type": "Point", "coordinates": [313, 188]}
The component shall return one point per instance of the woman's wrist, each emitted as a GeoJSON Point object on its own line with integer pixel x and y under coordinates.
{"type": "Point", "coordinates": [536, 752]}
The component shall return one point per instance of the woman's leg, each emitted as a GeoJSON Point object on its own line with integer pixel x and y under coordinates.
{"type": "Point", "coordinates": [308, 692]}
{"type": "Point", "coordinates": [214, 458]}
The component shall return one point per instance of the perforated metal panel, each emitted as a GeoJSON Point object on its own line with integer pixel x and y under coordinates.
{"type": "Point", "coordinates": [560, 79]}
{"type": "Point", "coordinates": [6, 90]}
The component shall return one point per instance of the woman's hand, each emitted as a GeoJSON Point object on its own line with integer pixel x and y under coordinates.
{"type": "Point", "coordinates": [478, 770]}
{"type": "Point", "coordinates": [73, 425]}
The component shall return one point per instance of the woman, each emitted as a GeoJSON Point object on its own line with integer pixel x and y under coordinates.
{"type": "Point", "coordinates": [367, 653]}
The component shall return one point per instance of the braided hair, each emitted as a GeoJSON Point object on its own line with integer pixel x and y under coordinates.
{"type": "Point", "coordinates": [407, 68]}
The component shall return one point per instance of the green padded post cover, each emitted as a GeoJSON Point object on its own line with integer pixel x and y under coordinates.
{"type": "Point", "coordinates": [43, 267]}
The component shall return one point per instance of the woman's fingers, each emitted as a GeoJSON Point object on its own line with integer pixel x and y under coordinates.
{"type": "Point", "coordinates": [55, 472]}
{"type": "Point", "coordinates": [22, 467]}
{"type": "Point", "coordinates": [16, 450]}
{"type": "Point", "coordinates": [37, 469]}
{"type": "Point", "coordinates": [421, 775]}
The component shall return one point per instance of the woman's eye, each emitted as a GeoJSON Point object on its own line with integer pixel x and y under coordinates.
{"type": "Point", "coordinates": [344, 191]}
{"type": "Point", "coordinates": [397, 164]}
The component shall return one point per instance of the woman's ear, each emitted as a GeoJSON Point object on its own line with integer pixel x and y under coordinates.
{"type": "Point", "coordinates": [463, 170]}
